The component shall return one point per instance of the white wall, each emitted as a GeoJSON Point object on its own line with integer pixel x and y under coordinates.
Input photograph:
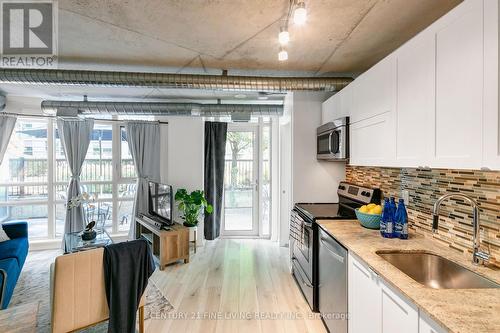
{"type": "Point", "coordinates": [313, 181]}
{"type": "Point", "coordinates": [182, 157]}
{"type": "Point", "coordinates": [302, 177]}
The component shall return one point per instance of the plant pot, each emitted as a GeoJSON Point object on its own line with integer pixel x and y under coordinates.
{"type": "Point", "coordinates": [189, 225]}
{"type": "Point", "coordinates": [89, 235]}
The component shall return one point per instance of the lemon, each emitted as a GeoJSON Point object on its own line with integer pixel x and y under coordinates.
{"type": "Point", "coordinates": [377, 210]}
{"type": "Point", "coordinates": [370, 206]}
{"type": "Point", "coordinates": [363, 209]}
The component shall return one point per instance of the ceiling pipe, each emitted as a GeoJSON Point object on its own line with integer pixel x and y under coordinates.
{"type": "Point", "coordinates": [165, 80]}
{"type": "Point", "coordinates": [160, 108]}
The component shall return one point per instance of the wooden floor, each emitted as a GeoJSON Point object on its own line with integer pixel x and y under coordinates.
{"type": "Point", "coordinates": [234, 286]}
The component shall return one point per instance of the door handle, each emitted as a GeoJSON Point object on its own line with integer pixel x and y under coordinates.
{"type": "Point", "coordinates": [332, 252]}
{"type": "Point", "coordinates": [330, 143]}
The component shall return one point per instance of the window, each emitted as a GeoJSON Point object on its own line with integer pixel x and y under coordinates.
{"type": "Point", "coordinates": [112, 189]}
{"type": "Point", "coordinates": [29, 191]}
{"type": "Point", "coordinates": [24, 177]}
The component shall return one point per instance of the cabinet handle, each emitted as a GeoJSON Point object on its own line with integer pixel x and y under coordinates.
{"type": "Point", "coordinates": [372, 272]}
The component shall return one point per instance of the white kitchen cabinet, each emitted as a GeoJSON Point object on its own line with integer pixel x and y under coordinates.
{"type": "Point", "coordinates": [459, 88]}
{"type": "Point", "coordinates": [375, 307]}
{"type": "Point", "coordinates": [415, 101]}
{"type": "Point", "coordinates": [363, 298]}
{"type": "Point", "coordinates": [398, 314]}
{"type": "Point", "coordinates": [436, 98]}
{"type": "Point", "coordinates": [375, 90]}
{"type": "Point", "coordinates": [372, 141]}
{"type": "Point", "coordinates": [491, 123]}
{"type": "Point", "coordinates": [337, 106]}
{"type": "Point", "coordinates": [330, 108]}
{"type": "Point", "coordinates": [427, 325]}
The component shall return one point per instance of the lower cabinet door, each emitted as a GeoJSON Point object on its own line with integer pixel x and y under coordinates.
{"type": "Point", "coordinates": [363, 298]}
{"type": "Point", "coordinates": [398, 314]}
{"type": "Point", "coordinates": [427, 325]}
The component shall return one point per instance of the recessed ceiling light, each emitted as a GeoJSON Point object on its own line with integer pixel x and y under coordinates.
{"type": "Point", "coordinates": [300, 13]}
{"type": "Point", "coordinates": [240, 96]}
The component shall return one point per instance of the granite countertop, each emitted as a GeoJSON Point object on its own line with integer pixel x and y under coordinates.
{"type": "Point", "coordinates": [458, 310]}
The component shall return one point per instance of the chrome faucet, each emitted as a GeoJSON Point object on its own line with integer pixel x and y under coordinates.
{"type": "Point", "coordinates": [478, 256]}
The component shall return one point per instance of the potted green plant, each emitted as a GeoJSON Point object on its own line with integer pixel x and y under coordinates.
{"type": "Point", "coordinates": [191, 205]}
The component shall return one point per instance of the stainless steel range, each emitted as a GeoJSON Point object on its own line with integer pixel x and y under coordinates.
{"type": "Point", "coordinates": [304, 234]}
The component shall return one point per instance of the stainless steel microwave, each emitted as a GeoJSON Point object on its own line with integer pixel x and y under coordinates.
{"type": "Point", "coordinates": [333, 140]}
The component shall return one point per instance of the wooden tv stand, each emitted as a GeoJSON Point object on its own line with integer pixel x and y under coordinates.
{"type": "Point", "coordinates": [168, 246]}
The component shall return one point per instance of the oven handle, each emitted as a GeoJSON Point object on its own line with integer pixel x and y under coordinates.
{"type": "Point", "coordinates": [300, 273]}
{"type": "Point", "coordinates": [332, 252]}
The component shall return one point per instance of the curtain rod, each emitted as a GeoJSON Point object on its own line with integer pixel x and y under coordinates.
{"type": "Point", "coordinates": [97, 119]}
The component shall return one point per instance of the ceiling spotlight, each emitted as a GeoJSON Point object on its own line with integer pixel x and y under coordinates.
{"type": "Point", "coordinates": [283, 55]}
{"type": "Point", "coordinates": [300, 13]}
{"type": "Point", "coordinates": [284, 36]}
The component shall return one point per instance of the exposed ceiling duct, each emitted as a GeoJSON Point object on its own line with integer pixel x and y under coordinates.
{"type": "Point", "coordinates": [164, 80]}
{"type": "Point", "coordinates": [161, 108]}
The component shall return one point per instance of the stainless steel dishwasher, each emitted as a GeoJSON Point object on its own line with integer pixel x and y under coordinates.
{"type": "Point", "coordinates": [332, 283]}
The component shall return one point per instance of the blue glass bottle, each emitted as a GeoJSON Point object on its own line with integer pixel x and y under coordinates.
{"type": "Point", "coordinates": [389, 226]}
{"type": "Point", "coordinates": [386, 216]}
{"type": "Point", "coordinates": [401, 228]}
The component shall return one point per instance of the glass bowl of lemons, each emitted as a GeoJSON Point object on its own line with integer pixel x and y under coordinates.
{"type": "Point", "coordinates": [369, 215]}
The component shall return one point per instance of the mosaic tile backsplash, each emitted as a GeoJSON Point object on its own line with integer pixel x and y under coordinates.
{"type": "Point", "coordinates": [426, 185]}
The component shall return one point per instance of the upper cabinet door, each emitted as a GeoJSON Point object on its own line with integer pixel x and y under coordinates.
{"type": "Point", "coordinates": [415, 100]}
{"type": "Point", "coordinates": [330, 108]}
{"type": "Point", "coordinates": [491, 124]}
{"type": "Point", "coordinates": [459, 88]}
{"type": "Point", "coordinates": [337, 106]}
{"type": "Point", "coordinates": [375, 90]}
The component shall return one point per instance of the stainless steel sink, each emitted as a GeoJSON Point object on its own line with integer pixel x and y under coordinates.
{"type": "Point", "coordinates": [435, 271]}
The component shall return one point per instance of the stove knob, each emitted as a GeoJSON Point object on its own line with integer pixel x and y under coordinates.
{"type": "Point", "coordinates": [365, 193]}
{"type": "Point", "coordinates": [341, 187]}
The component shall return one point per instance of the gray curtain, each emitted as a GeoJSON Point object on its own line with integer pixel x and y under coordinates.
{"type": "Point", "coordinates": [215, 151]}
{"type": "Point", "coordinates": [144, 144]}
{"type": "Point", "coordinates": [7, 124]}
{"type": "Point", "coordinates": [75, 135]}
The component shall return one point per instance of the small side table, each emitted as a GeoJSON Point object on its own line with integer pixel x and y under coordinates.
{"type": "Point", "coordinates": [73, 241]}
{"type": "Point", "coordinates": [195, 236]}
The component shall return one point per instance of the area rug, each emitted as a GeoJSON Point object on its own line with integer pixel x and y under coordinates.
{"type": "Point", "coordinates": [33, 285]}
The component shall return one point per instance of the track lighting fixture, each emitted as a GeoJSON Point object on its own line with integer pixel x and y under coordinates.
{"type": "Point", "coordinates": [284, 36]}
{"type": "Point", "coordinates": [300, 13]}
{"type": "Point", "coordinates": [283, 54]}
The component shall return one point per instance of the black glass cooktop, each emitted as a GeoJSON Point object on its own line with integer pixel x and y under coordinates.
{"type": "Point", "coordinates": [325, 211]}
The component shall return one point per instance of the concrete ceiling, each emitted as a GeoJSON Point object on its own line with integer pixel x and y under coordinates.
{"type": "Point", "coordinates": [341, 36]}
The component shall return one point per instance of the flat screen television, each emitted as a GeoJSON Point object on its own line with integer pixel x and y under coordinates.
{"type": "Point", "coordinates": [161, 201]}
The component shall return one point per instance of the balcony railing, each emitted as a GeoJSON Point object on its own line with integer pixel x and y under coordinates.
{"type": "Point", "coordinates": [36, 170]}
{"type": "Point", "coordinates": [239, 175]}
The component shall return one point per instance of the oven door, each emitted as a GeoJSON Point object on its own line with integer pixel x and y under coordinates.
{"type": "Point", "coordinates": [301, 235]}
{"type": "Point", "coordinates": [301, 249]}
